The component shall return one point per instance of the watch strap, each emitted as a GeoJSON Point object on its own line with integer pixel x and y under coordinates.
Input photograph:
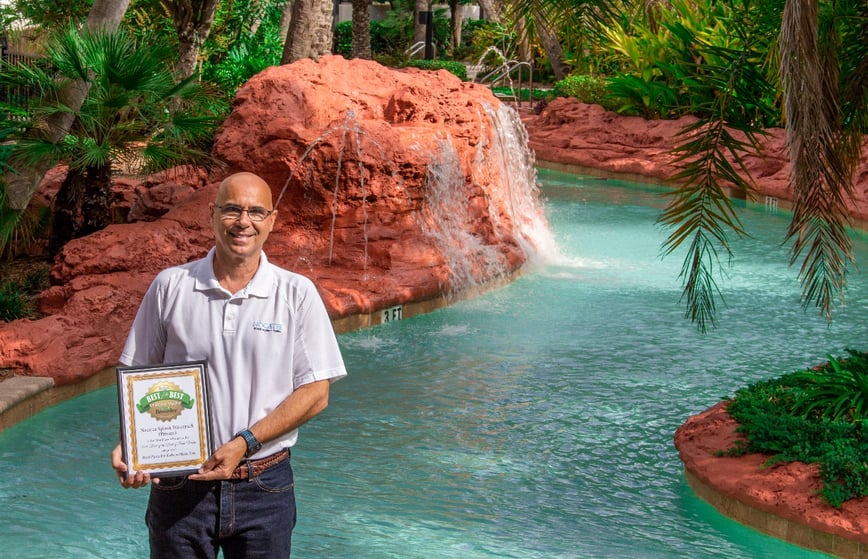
{"type": "Point", "coordinates": [253, 445]}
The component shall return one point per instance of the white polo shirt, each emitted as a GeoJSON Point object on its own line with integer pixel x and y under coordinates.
{"type": "Point", "coordinates": [260, 343]}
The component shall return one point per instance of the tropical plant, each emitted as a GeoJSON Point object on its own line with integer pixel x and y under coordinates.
{"type": "Point", "coordinates": [105, 16]}
{"type": "Point", "coordinates": [21, 230]}
{"type": "Point", "coordinates": [19, 288]}
{"type": "Point", "coordinates": [825, 81]}
{"type": "Point", "coordinates": [134, 115]}
{"type": "Point", "coordinates": [245, 39]}
{"type": "Point", "coordinates": [456, 68]}
{"type": "Point", "coordinates": [563, 27]}
{"type": "Point", "coordinates": [711, 60]}
{"type": "Point", "coordinates": [771, 416]}
{"type": "Point", "coordinates": [838, 390]}
{"type": "Point", "coordinates": [53, 14]}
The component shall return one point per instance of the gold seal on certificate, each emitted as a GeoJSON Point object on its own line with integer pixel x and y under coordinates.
{"type": "Point", "coordinates": [165, 418]}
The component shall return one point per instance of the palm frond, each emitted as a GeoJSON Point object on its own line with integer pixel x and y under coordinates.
{"type": "Point", "coordinates": [822, 153]}
{"type": "Point", "coordinates": [709, 157]}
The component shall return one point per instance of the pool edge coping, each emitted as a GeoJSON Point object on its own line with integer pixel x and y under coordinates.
{"type": "Point", "coordinates": [776, 526]}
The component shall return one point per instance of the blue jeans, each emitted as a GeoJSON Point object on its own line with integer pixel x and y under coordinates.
{"type": "Point", "coordinates": [244, 518]}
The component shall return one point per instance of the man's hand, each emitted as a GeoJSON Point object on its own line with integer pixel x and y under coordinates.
{"type": "Point", "coordinates": [134, 481]}
{"type": "Point", "coordinates": [223, 462]}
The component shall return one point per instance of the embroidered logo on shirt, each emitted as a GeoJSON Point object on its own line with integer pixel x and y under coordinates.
{"type": "Point", "coordinates": [268, 326]}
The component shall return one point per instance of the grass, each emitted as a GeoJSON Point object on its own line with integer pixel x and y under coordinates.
{"type": "Point", "coordinates": [22, 281]}
{"type": "Point", "coordinates": [813, 416]}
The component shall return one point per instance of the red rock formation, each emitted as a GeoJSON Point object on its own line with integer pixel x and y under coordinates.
{"type": "Point", "coordinates": [575, 133]}
{"type": "Point", "coordinates": [358, 156]}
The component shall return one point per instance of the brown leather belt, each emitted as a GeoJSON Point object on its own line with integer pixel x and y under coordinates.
{"type": "Point", "coordinates": [252, 468]}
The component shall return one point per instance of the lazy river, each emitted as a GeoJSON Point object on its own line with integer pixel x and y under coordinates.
{"type": "Point", "coordinates": [532, 422]}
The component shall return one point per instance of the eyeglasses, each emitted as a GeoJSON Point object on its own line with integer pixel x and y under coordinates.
{"type": "Point", "coordinates": [233, 212]}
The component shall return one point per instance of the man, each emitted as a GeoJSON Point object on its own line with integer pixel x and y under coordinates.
{"type": "Point", "coordinates": [271, 354]}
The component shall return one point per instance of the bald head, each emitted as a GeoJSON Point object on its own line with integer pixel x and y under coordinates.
{"type": "Point", "coordinates": [242, 218]}
{"type": "Point", "coordinates": [249, 183]}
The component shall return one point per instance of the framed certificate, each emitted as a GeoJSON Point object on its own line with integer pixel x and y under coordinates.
{"type": "Point", "coordinates": [165, 418]}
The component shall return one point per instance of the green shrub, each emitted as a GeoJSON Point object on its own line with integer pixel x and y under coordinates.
{"type": "Point", "coordinates": [35, 280]}
{"type": "Point", "coordinates": [779, 418]}
{"type": "Point", "coordinates": [837, 391]}
{"type": "Point", "coordinates": [587, 89]}
{"type": "Point", "coordinates": [456, 68]}
{"type": "Point", "coordinates": [648, 99]}
{"type": "Point", "coordinates": [344, 39]}
{"type": "Point", "coordinates": [524, 95]}
{"type": "Point", "coordinates": [391, 36]}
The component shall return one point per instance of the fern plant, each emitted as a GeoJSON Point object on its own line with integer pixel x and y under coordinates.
{"type": "Point", "coordinates": [837, 391]}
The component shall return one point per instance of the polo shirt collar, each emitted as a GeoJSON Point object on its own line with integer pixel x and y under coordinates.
{"type": "Point", "coordinates": [261, 285]}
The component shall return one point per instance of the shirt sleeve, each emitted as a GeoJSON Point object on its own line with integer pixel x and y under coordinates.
{"type": "Point", "coordinates": [318, 356]}
{"type": "Point", "coordinates": [146, 342]}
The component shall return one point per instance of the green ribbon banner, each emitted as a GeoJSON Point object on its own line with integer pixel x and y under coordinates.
{"type": "Point", "coordinates": [145, 403]}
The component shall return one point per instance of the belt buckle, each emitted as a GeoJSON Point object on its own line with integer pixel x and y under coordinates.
{"type": "Point", "coordinates": [250, 475]}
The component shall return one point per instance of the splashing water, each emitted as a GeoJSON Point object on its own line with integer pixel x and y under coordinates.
{"type": "Point", "coordinates": [516, 163]}
{"type": "Point", "coordinates": [446, 218]}
{"type": "Point", "coordinates": [350, 138]}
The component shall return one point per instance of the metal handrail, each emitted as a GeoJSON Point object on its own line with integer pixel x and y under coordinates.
{"type": "Point", "coordinates": [415, 49]}
{"type": "Point", "coordinates": [506, 70]}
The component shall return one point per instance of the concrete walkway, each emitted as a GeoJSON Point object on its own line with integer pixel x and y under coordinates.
{"type": "Point", "coordinates": [22, 397]}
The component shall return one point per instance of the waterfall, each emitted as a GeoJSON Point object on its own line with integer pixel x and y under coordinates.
{"type": "Point", "coordinates": [520, 196]}
{"type": "Point", "coordinates": [448, 220]}
{"type": "Point", "coordinates": [514, 205]}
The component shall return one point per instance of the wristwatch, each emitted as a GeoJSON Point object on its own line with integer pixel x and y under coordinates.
{"type": "Point", "coordinates": [253, 445]}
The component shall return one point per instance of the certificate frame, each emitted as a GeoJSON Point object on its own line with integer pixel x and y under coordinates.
{"type": "Point", "coordinates": [165, 417]}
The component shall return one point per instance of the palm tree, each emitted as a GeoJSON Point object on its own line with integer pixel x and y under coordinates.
{"type": "Point", "coordinates": [561, 24]}
{"type": "Point", "coordinates": [192, 20]}
{"type": "Point", "coordinates": [104, 15]}
{"type": "Point", "coordinates": [134, 114]}
{"type": "Point", "coordinates": [299, 37]}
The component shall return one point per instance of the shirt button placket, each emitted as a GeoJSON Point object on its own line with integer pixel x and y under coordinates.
{"type": "Point", "coordinates": [230, 317]}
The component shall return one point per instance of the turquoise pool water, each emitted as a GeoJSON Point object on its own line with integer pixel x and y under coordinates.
{"type": "Point", "coordinates": [533, 422]}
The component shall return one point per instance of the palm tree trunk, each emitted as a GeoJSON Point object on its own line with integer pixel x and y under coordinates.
{"type": "Point", "coordinates": [419, 28]}
{"type": "Point", "coordinates": [22, 185]}
{"type": "Point", "coordinates": [193, 19]}
{"type": "Point", "coordinates": [323, 32]}
{"type": "Point", "coordinates": [552, 47]}
{"type": "Point", "coordinates": [361, 30]}
{"type": "Point", "coordinates": [285, 18]}
{"type": "Point", "coordinates": [300, 35]}
{"type": "Point", "coordinates": [455, 21]}
{"type": "Point", "coordinates": [490, 10]}
{"type": "Point", "coordinates": [96, 202]}
{"type": "Point", "coordinates": [523, 39]}
{"type": "Point", "coordinates": [67, 207]}
{"type": "Point", "coordinates": [258, 12]}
